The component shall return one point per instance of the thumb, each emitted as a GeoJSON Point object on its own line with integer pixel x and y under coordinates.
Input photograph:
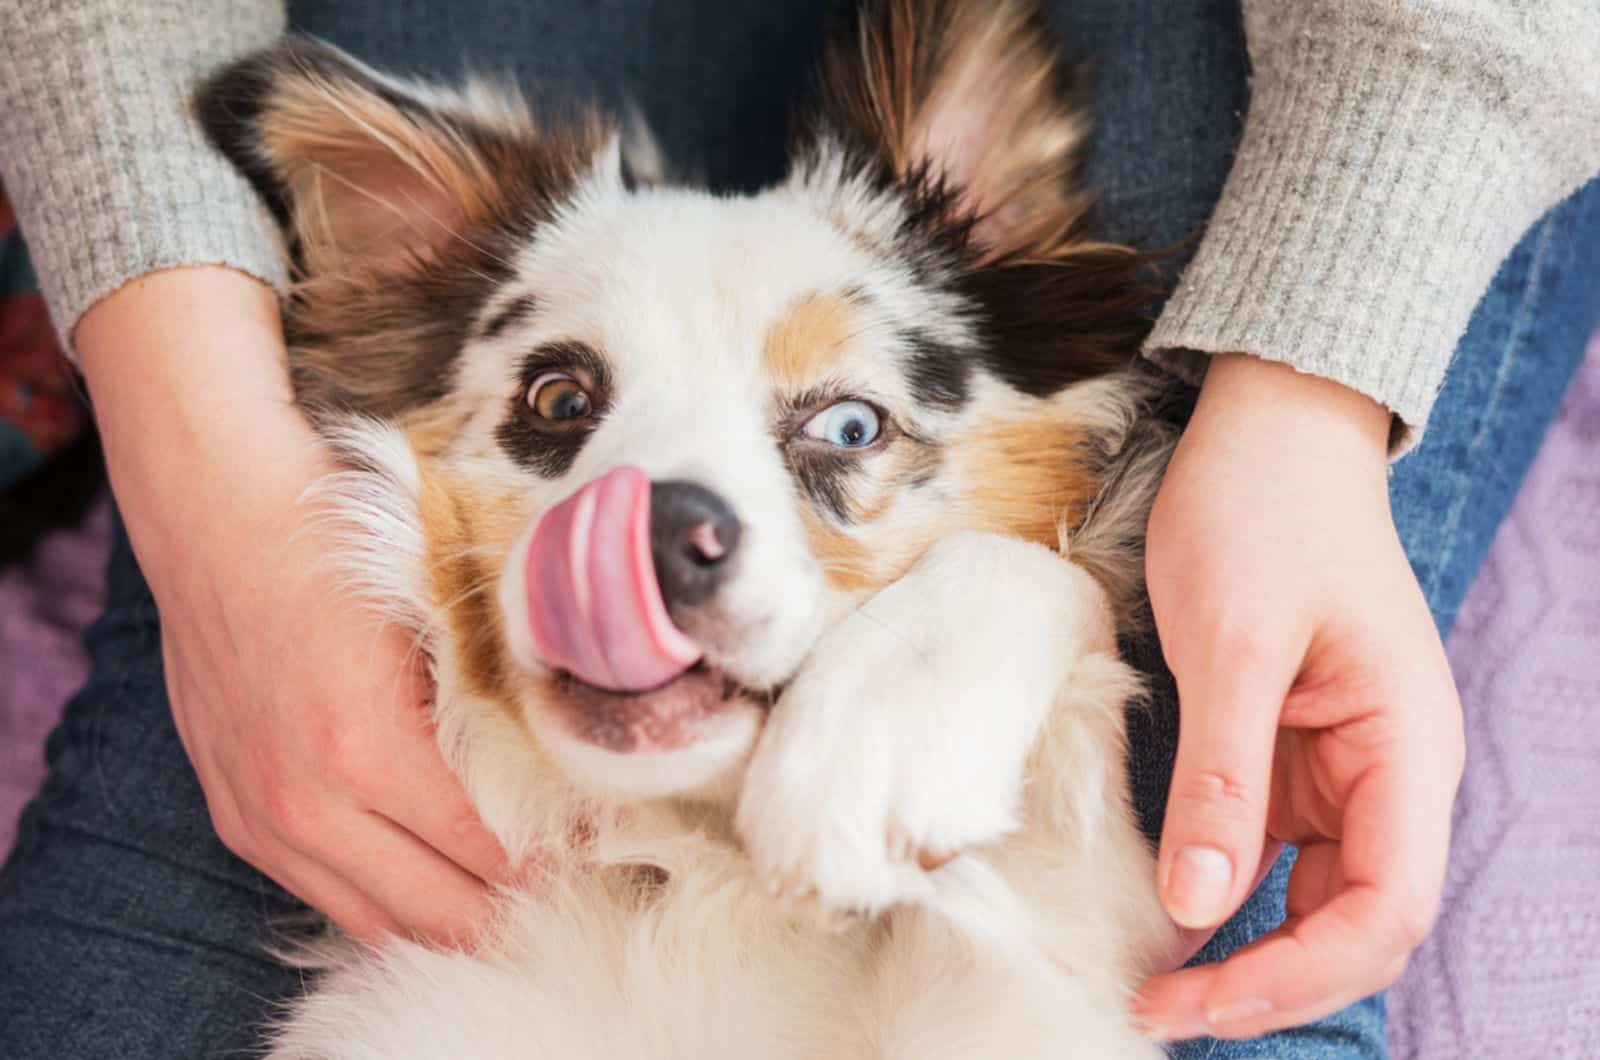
{"type": "Point", "coordinates": [1217, 806]}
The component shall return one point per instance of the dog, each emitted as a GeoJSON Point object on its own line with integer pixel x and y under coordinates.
{"type": "Point", "coordinates": [769, 552]}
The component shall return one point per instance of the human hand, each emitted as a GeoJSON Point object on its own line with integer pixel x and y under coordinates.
{"type": "Point", "coordinates": [1316, 703]}
{"type": "Point", "coordinates": [305, 717]}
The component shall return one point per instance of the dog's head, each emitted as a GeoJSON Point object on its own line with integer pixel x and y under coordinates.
{"type": "Point", "coordinates": [623, 448]}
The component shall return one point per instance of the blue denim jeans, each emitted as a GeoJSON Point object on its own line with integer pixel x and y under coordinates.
{"type": "Point", "coordinates": [126, 928]}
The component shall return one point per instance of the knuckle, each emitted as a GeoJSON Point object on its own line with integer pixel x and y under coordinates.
{"type": "Point", "coordinates": [1391, 974]}
{"type": "Point", "coordinates": [1243, 646]}
{"type": "Point", "coordinates": [1218, 795]}
{"type": "Point", "coordinates": [286, 807]}
{"type": "Point", "coordinates": [341, 755]}
{"type": "Point", "coordinates": [1202, 651]}
{"type": "Point", "coordinates": [1413, 921]}
{"type": "Point", "coordinates": [1455, 752]}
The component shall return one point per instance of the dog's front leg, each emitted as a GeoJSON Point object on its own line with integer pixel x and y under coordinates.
{"type": "Point", "coordinates": [903, 739]}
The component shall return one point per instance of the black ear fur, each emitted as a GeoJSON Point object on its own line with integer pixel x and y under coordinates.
{"type": "Point", "coordinates": [1057, 304]}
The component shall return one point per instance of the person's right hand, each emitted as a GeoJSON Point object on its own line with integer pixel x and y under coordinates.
{"type": "Point", "coordinates": [304, 716]}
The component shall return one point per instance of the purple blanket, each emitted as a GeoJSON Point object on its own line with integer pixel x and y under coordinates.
{"type": "Point", "coordinates": [44, 605]}
{"type": "Point", "coordinates": [1511, 970]}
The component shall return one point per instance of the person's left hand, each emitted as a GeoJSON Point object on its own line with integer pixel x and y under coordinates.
{"type": "Point", "coordinates": [1316, 703]}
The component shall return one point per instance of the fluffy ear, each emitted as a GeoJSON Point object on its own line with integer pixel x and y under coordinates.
{"type": "Point", "coordinates": [974, 98]}
{"type": "Point", "coordinates": [401, 203]}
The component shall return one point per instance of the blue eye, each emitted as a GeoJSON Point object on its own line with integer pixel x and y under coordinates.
{"type": "Point", "coordinates": [849, 425]}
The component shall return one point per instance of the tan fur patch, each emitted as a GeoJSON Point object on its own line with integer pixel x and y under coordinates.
{"type": "Point", "coordinates": [1026, 478]}
{"type": "Point", "coordinates": [463, 569]}
{"type": "Point", "coordinates": [431, 428]}
{"type": "Point", "coordinates": [805, 344]}
{"type": "Point", "coordinates": [873, 552]}
{"type": "Point", "coordinates": [850, 564]}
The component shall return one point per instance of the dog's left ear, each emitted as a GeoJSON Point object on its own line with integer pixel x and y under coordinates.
{"type": "Point", "coordinates": [972, 98]}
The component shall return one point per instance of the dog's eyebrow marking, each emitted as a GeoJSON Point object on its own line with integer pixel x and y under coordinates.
{"type": "Point", "coordinates": [940, 374]}
{"type": "Point", "coordinates": [807, 340]}
{"type": "Point", "coordinates": [516, 311]}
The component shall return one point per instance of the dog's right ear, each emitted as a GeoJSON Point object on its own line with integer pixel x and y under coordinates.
{"type": "Point", "coordinates": [403, 205]}
{"type": "Point", "coordinates": [361, 167]}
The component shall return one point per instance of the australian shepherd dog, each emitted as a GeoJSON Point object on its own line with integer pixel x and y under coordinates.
{"type": "Point", "coordinates": [769, 552]}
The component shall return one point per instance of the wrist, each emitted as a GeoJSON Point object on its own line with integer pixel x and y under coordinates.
{"type": "Point", "coordinates": [186, 369]}
{"type": "Point", "coordinates": [1271, 403]}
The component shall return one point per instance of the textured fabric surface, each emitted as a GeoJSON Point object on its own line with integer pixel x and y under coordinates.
{"type": "Point", "coordinates": [1393, 154]}
{"type": "Point", "coordinates": [100, 151]}
{"type": "Point", "coordinates": [1510, 970]}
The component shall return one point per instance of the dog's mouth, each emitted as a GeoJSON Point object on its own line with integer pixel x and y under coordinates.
{"type": "Point", "coordinates": [668, 717]}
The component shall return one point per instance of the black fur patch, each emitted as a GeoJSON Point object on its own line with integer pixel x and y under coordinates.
{"type": "Point", "coordinates": [517, 311]}
{"type": "Point", "coordinates": [825, 478]}
{"type": "Point", "coordinates": [1046, 325]}
{"type": "Point", "coordinates": [940, 374]}
{"type": "Point", "coordinates": [542, 447]}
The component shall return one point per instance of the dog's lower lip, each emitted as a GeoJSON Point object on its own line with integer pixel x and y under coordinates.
{"type": "Point", "coordinates": [669, 717]}
{"type": "Point", "coordinates": [731, 687]}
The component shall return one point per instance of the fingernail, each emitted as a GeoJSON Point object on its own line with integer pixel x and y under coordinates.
{"type": "Point", "coordinates": [1198, 885]}
{"type": "Point", "coordinates": [1238, 1011]}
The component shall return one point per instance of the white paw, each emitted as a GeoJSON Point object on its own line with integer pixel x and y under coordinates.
{"type": "Point", "coordinates": [900, 744]}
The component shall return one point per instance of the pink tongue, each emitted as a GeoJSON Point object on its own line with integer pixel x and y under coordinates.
{"type": "Point", "coordinates": [593, 602]}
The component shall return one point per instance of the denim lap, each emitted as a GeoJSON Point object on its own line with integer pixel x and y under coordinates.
{"type": "Point", "coordinates": [127, 929]}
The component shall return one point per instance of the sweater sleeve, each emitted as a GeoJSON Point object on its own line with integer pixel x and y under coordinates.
{"type": "Point", "coordinates": [107, 167]}
{"type": "Point", "coordinates": [1392, 156]}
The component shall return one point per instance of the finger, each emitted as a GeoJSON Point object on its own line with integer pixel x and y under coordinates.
{"type": "Point", "coordinates": [315, 885]}
{"type": "Point", "coordinates": [444, 820]}
{"type": "Point", "coordinates": [427, 894]}
{"type": "Point", "coordinates": [422, 795]}
{"type": "Point", "coordinates": [1317, 878]}
{"type": "Point", "coordinates": [331, 895]}
{"type": "Point", "coordinates": [1217, 806]}
{"type": "Point", "coordinates": [1191, 941]}
{"type": "Point", "coordinates": [1352, 946]}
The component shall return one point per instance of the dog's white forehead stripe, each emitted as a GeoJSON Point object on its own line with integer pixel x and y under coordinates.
{"type": "Point", "coordinates": [669, 283]}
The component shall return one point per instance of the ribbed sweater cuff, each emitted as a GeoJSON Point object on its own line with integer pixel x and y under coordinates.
{"type": "Point", "coordinates": [108, 170]}
{"type": "Point", "coordinates": [1372, 198]}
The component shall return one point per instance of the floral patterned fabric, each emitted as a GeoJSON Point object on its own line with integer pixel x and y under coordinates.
{"type": "Point", "coordinates": [40, 408]}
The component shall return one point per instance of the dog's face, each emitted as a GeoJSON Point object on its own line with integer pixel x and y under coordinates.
{"type": "Point", "coordinates": [662, 438]}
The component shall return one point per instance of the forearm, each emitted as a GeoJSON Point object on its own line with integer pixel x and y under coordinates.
{"type": "Point", "coordinates": [186, 371]}
{"type": "Point", "coordinates": [109, 172]}
{"type": "Point", "coordinates": [1392, 156]}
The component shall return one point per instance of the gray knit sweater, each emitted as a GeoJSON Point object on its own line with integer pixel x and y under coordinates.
{"type": "Point", "coordinates": [1394, 152]}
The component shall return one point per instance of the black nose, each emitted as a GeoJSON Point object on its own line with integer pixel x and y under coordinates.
{"type": "Point", "coordinates": [694, 537]}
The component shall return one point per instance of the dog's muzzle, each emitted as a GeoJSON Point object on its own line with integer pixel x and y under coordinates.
{"type": "Point", "coordinates": [608, 566]}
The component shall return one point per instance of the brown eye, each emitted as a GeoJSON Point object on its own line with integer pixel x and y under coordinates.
{"type": "Point", "coordinates": [559, 397]}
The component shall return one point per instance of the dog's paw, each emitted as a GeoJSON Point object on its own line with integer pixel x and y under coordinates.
{"type": "Point", "coordinates": [897, 747]}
